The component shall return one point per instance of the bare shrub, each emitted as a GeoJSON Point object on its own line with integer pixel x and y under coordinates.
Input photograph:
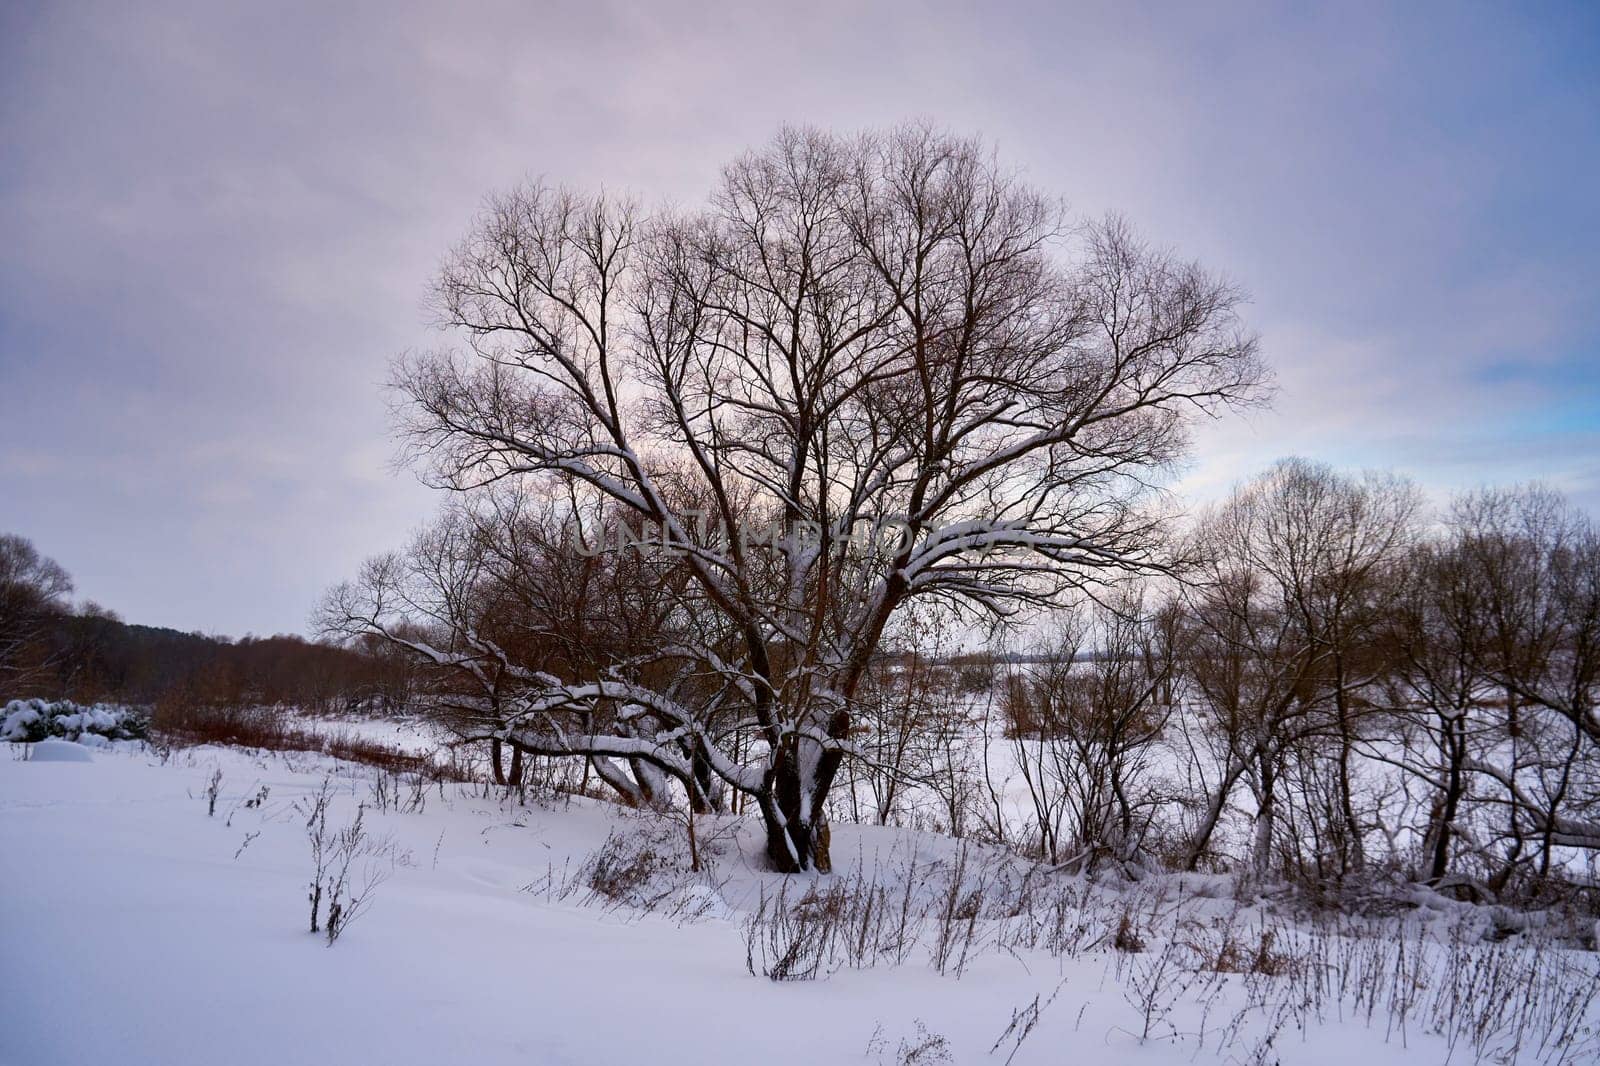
{"type": "Point", "coordinates": [184, 722]}
{"type": "Point", "coordinates": [349, 886]}
{"type": "Point", "coordinates": [1157, 982]}
{"type": "Point", "coordinates": [785, 942]}
{"type": "Point", "coordinates": [1128, 939]}
{"type": "Point", "coordinates": [956, 930]}
{"type": "Point", "coordinates": [212, 791]}
{"type": "Point", "coordinates": [180, 723]}
{"type": "Point", "coordinates": [403, 793]}
{"type": "Point", "coordinates": [924, 1048]}
{"type": "Point", "coordinates": [622, 868]}
{"type": "Point", "coordinates": [346, 864]}
{"type": "Point", "coordinates": [1023, 1022]}
{"type": "Point", "coordinates": [315, 810]}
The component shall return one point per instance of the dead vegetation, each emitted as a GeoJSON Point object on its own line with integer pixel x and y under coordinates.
{"type": "Point", "coordinates": [183, 724]}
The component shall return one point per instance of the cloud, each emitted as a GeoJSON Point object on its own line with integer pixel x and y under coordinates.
{"type": "Point", "coordinates": [218, 226]}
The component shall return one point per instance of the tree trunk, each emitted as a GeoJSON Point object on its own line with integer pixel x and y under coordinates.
{"type": "Point", "coordinates": [1266, 814]}
{"type": "Point", "coordinates": [1440, 839]}
{"type": "Point", "coordinates": [789, 842]}
{"type": "Point", "coordinates": [1351, 854]}
{"type": "Point", "coordinates": [792, 809]}
{"type": "Point", "coordinates": [1214, 809]}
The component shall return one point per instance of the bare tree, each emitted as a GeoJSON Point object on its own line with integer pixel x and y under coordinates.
{"type": "Point", "coordinates": [1440, 687]}
{"type": "Point", "coordinates": [1033, 701]}
{"type": "Point", "coordinates": [1533, 629]}
{"type": "Point", "coordinates": [1084, 720]}
{"type": "Point", "coordinates": [490, 602]}
{"type": "Point", "coordinates": [916, 732]}
{"type": "Point", "coordinates": [33, 592]}
{"type": "Point", "coordinates": [1116, 712]}
{"type": "Point", "coordinates": [1284, 629]}
{"type": "Point", "coordinates": [889, 329]}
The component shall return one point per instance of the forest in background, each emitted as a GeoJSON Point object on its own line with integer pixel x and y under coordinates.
{"type": "Point", "coordinates": [54, 649]}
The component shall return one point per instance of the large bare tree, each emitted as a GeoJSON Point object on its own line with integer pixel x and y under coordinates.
{"type": "Point", "coordinates": [885, 333]}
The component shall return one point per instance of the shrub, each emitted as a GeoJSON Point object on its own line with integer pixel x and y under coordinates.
{"type": "Point", "coordinates": [345, 866]}
{"type": "Point", "coordinates": [30, 721]}
{"type": "Point", "coordinates": [183, 723]}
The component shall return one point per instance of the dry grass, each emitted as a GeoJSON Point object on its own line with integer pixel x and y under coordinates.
{"type": "Point", "coordinates": [182, 724]}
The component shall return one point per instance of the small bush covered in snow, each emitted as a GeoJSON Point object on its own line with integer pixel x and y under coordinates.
{"type": "Point", "coordinates": [31, 721]}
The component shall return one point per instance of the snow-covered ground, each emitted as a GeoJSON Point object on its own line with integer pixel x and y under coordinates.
{"type": "Point", "coordinates": [413, 735]}
{"type": "Point", "coordinates": [138, 928]}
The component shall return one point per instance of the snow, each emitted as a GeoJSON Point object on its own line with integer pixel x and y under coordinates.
{"type": "Point", "coordinates": [408, 735]}
{"type": "Point", "coordinates": [37, 719]}
{"type": "Point", "coordinates": [61, 751]}
{"type": "Point", "coordinates": [154, 933]}
{"type": "Point", "coordinates": [18, 718]}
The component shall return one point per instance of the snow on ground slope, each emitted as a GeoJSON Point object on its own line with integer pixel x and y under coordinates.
{"type": "Point", "coordinates": [138, 929]}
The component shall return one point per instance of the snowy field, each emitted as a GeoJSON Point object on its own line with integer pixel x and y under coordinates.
{"type": "Point", "coordinates": [147, 921]}
{"type": "Point", "coordinates": [409, 734]}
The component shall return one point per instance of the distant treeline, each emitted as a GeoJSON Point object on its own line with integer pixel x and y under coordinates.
{"type": "Point", "coordinates": [52, 649]}
{"type": "Point", "coordinates": [91, 656]}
